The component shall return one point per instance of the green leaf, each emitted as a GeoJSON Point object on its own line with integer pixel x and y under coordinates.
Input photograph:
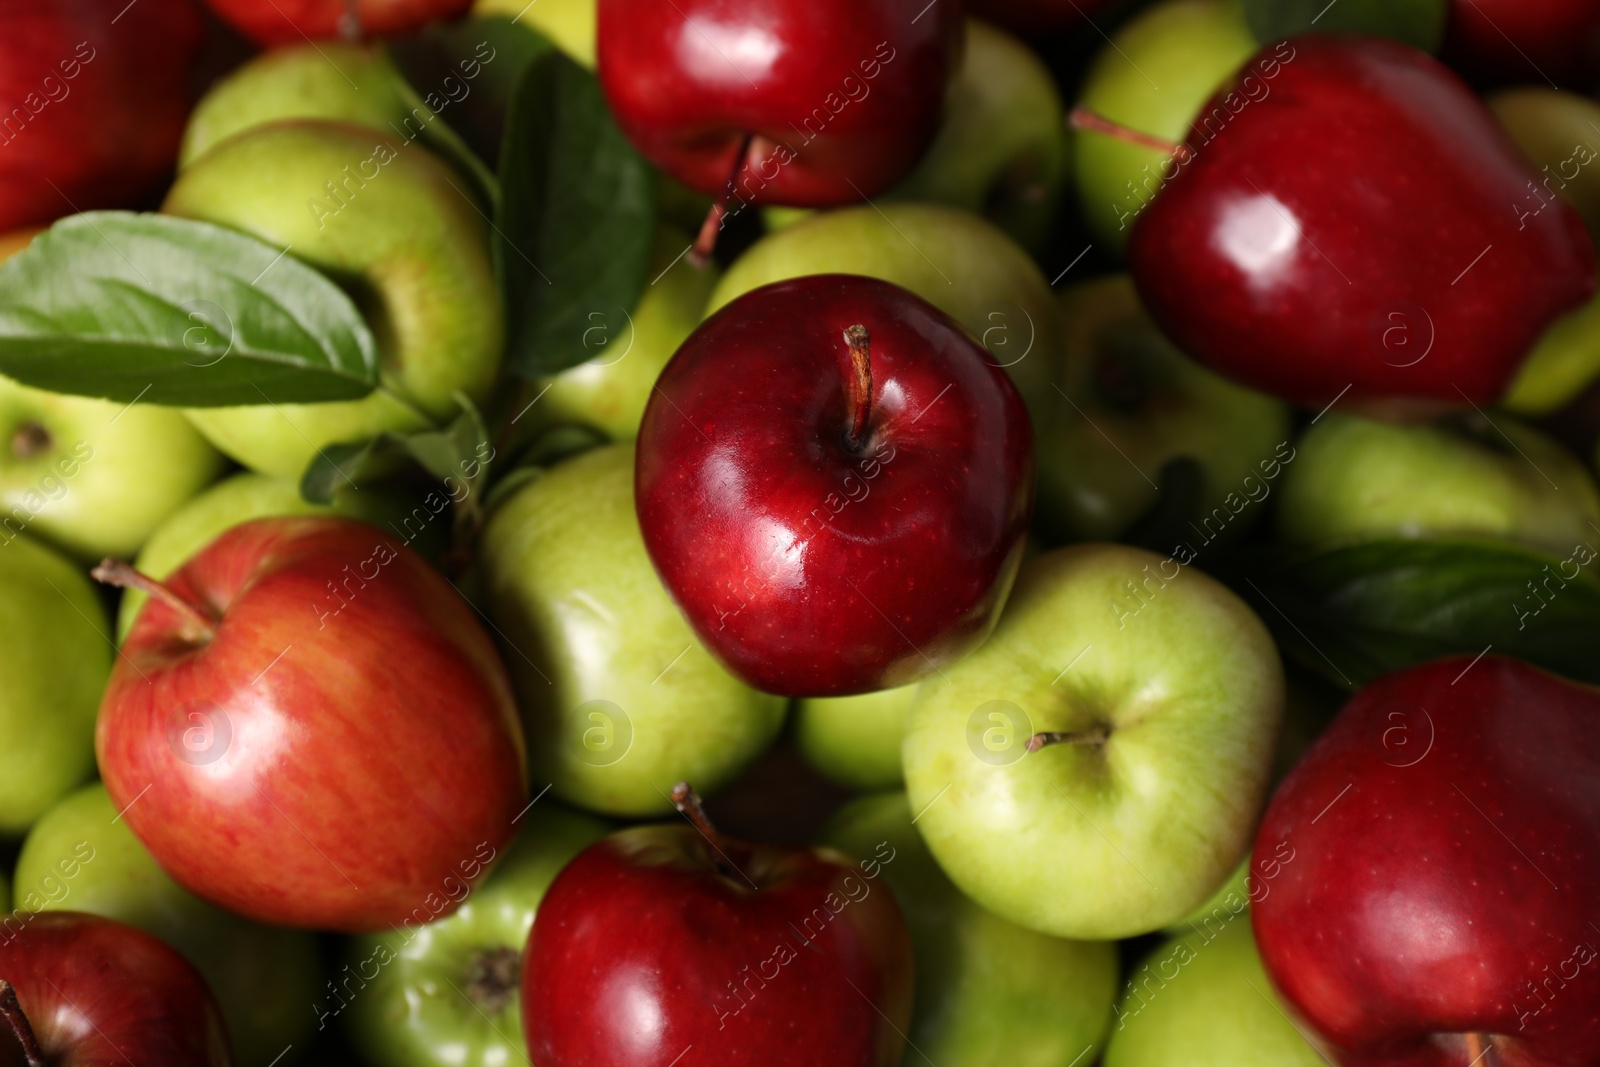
{"type": "Point", "coordinates": [126, 306]}
{"type": "Point", "coordinates": [458, 455]}
{"type": "Point", "coordinates": [1356, 612]}
{"type": "Point", "coordinates": [1419, 23]}
{"type": "Point", "coordinates": [577, 216]}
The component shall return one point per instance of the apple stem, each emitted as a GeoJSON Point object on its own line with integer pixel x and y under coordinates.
{"type": "Point", "coordinates": [705, 241]}
{"type": "Point", "coordinates": [30, 439]}
{"type": "Point", "coordinates": [198, 625]}
{"type": "Point", "coordinates": [1082, 118]}
{"type": "Point", "coordinates": [686, 800]}
{"type": "Point", "coordinates": [1480, 1049]}
{"type": "Point", "coordinates": [858, 386]}
{"type": "Point", "coordinates": [21, 1029]}
{"type": "Point", "coordinates": [1095, 735]}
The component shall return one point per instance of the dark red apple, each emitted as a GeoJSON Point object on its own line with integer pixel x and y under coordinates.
{"type": "Point", "coordinates": [1442, 904]}
{"type": "Point", "coordinates": [1534, 41]}
{"type": "Point", "coordinates": [811, 103]}
{"type": "Point", "coordinates": [280, 22]}
{"type": "Point", "coordinates": [82, 991]}
{"type": "Point", "coordinates": [1038, 18]}
{"type": "Point", "coordinates": [308, 726]}
{"type": "Point", "coordinates": [673, 945]}
{"type": "Point", "coordinates": [93, 99]}
{"type": "Point", "coordinates": [1351, 221]}
{"type": "Point", "coordinates": [834, 480]}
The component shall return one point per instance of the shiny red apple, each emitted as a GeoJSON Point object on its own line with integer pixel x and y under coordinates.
{"type": "Point", "coordinates": [281, 22]}
{"type": "Point", "coordinates": [1442, 904]}
{"type": "Point", "coordinates": [93, 100]}
{"type": "Point", "coordinates": [674, 945]}
{"type": "Point", "coordinates": [1531, 41]}
{"type": "Point", "coordinates": [834, 480]}
{"type": "Point", "coordinates": [308, 726]}
{"type": "Point", "coordinates": [816, 103]}
{"type": "Point", "coordinates": [1352, 222]}
{"type": "Point", "coordinates": [83, 991]}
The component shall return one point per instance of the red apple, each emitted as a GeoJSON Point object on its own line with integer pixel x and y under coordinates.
{"type": "Point", "coordinates": [82, 991]}
{"type": "Point", "coordinates": [674, 945]}
{"type": "Point", "coordinates": [1534, 41]}
{"type": "Point", "coordinates": [1347, 217]}
{"type": "Point", "coordinates": [93, 100]}
{"type": "Point", "coordinates": [1038, 18]}
{"type": "Point", "coordinates": [806, 102]}
{"type": "Point", "coordinates": [1441, 904]}
{"type": "Point", "coordinates": [834, 480]}
{"type": "Point", "coordinates": [308, 726]}
{"type": "Point", "coordinates": [280, 22]}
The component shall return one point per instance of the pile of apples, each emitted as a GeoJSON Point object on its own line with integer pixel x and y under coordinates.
{"type": "Point", "coordinates": [843, 533]}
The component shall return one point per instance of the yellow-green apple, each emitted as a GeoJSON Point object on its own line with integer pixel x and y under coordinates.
{"type": "Point", "coordinates": [1096, 769]}
{"type": "Point", "coordinates": [570, 24]}
{"type": "Point", "coordinates": [54, 662]}
{"type": "Point", "coordinates": [855, 740]}
{"type": "Point", "coordinates": [621, 700]}
{"type": "Point", "coordinates": [391, 221]}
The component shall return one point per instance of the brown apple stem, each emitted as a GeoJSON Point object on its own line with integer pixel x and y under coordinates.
{"type": "Point", "coordinates": [686, 800]}
{"type": "Point", "coordinates": [705, 241]}
{"type": "Point", "coordinates": [21, 1029]}
{"type": "Point", "coordinates": [858, 385]}
{"type": "Point", "coordinates": [30, 439]}
{"type": "Point", "coordinates": [198, 624]}
{"type": "Point", "coordinates": [1480, 1049]}
{"type": "Point", "coordinates": [1084, 119]}
{"type": "Point", "coordinates": [1095, 735]}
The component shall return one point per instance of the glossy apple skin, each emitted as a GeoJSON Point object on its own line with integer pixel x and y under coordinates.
{"type": "Point", "coordinates": [1530, 41]}
{"type": "Point", "coordinates": [281, 22]}
{"type": "Point", "coordinates": [641, 941]}
{"type": "Point", "coordinates": [688, 80]}
{"type": "Point", "coordinates": [812, 569]}
{"type": "Point", "coordinates": [1331, 227]}
{"type": "Point", "coordinates": [354, 777]}
{"type": "Point", "coordinates": [1424, 901]}
{"type": "Point", "coordinates": [104, 105]}
{"type": "Point", "coordinates": [99, 993]}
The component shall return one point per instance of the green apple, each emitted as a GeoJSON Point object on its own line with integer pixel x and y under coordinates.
{"type": "Point", "coordinates": [963, 265]}
{"type": "Point", "coordinates": [1129, 403]}
{"type": "Point", "coordinates": [263, 977]}
{"type": "Point", "coordinates": [1561, 365]}
{"type": "Point", "coordinates": [609, 392]}
{"type": "Point", "coordinates": [389, 219]}
{"type": "Point", "coordinates": [1357, 479]}
{"type": "Point", "coordinates": [1162, 695]}
{"type": "Point", "coordinates": [331, 80]}
{"type": "Point", "coordinates": [1204, 1000]}
{"type": "Point", "coordinates": [1153, 77]}
{"type": "Point", "coordinates": [987, 991]}
{"type": "Point", "coordinates": [1001, 150]}
{"type": "Point", "coordinates": [855, 740]}
{"type": "Point", "coordinates": [95, 477]}
{"type": "Point", "coordinates": [246, 496]}
{"type": "Point", "coordinates": [55, 659]}
{"type": "Point", "coordinates": [620, 699]}
{"type": "Point", "coordinates": [568, 23]}
{"type": "Point", "coordinates": [444, 994]}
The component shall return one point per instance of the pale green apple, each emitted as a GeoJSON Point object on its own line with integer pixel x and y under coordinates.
{"type": "Point", "coordinates": [570, 24]}
{"type": "Point", "coordinates": [1356, 479]}
{"type": "Point", "coordinates": [246, 496]}
{"type": "Point", "coordinates": [1001, 149]}
{"type": "Point", "coordinates": [330, 80]}
{"type": "Point", "coordinates": [81, 856]}
{"type": "Point", "coordinates": [1153, 77]}
{"type": "Point", "coordinates": [962, 264]}
{"type": "Point", "coordinates": [609, 392]}
{"type": "Point", "coordinates": [1204, 1000]}
{"type": "Point", "coordinates": [620, 699]}
{"type": "Point", "coordinates": [988, 992]}
{"type": "Point", "coordinates": [95, 477]}
{"type": "Point", "coordinates": [444, 994]}
{"type": "Point", "coordinates": [55, 658]}
{"type": "Point", "coordinates": [855, 740]}
{"type": "Point", "coordinates": [1170, 692]}
{"type": "Point", "coordinates": [389, 220]}
{"type": "Point", "coordinates": [1130, 402]}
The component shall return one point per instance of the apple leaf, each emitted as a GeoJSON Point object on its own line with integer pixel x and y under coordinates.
{"type": "Point", "coordinates": [577, 217]}
{"type": "Point", "coordinates": [458, 456]}
{"type": "Point", "coordinates": [1419, 23]}
{"type": "Point", "coordinates": [1359, 611]}
{"type": "Point", "coordinates": [169, 311]}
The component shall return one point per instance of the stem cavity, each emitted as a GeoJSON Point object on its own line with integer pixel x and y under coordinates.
{"type": "Point", "coordinates": [199, 626]}
{"type": "Point", "coordinates": [1094, 735]}
{"type": "Point", "coordinates": [686, 800]}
